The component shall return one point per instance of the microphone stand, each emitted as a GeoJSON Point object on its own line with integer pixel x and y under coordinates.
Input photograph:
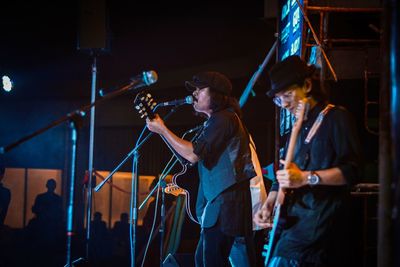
{"type": "Point", "coordinates": [73, 124]}
{"type": "Point", "coordinates": [133, 210]}
{"type": "Point", "coordinates": [161, 183]}
{"type": "Point", "coordinates": [162, 224]}
{"type": "Point", "coordinates": [132, 152]}
{"type": "Point", "coordinates": [81, 110]}
{"type": "Point", "coordinates": [89, 193]}
{"type": "Point", "coordinates": [134, 195]}
{"type": "Point", "coordinates": [75, 119]}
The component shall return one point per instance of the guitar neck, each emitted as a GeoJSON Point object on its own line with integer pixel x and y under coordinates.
{"type": "Point", "coordinates": [292, 144]}
{"type": "Point", "coordinates": [289, 157]}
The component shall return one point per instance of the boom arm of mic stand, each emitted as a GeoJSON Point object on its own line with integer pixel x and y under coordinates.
{"type": "Point", "coordinates": [80, 112]}
{"type": "Point", "coordinates": [133, 151]}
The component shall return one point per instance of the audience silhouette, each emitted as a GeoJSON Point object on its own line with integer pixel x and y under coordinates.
{"type": "Point", "coordinates": [45, 231]}
{"type": "Point", "coordinates": [48, 205]}
{"type": "Point", "coordinates": [121, 241]}
{"type": "Point", "coordinates": [100, 242]}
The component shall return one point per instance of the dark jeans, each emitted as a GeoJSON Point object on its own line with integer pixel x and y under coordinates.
{"type": "Point", "coordinates": [213, 248]}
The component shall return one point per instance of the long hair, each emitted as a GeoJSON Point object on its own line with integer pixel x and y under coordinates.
{"type": "Point", "coordinates": [317, 87]}
{"type": "Point", "coordinates": [220, 101]}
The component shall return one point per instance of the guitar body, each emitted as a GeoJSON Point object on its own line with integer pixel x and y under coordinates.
{"type": "Point", "coordinates": [273, 235]}
{"type": "Point", "coordinates": [187, 182]}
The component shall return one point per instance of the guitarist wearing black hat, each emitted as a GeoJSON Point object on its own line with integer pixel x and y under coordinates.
{"type": "Point", "coordinates": [225, 167]}
{"type": "Point", "coordinates": [312, 190]}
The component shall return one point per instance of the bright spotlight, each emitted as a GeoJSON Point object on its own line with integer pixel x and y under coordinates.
{"type": "Point", "coordinates": [7, 83]}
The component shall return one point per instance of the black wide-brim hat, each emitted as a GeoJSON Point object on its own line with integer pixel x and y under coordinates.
{"type": "Point", "coordinates": [214, 80]}
{"type": "Point", "coordinates": [292, 70]}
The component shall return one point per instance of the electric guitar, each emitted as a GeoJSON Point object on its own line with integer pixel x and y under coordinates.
{"type": "Point", "coordinates": [301, 109]}
{"type": "Point", "coordinates": [188, 176]}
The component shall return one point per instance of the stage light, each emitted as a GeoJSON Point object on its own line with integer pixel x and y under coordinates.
{"type": "Point", "coordinates": [7, 83]}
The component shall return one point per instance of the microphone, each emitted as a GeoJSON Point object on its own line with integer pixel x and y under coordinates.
{"type": "Point", "coordinates": [178, 102]}
{"type": "Point", "coordinates": [146, 78]}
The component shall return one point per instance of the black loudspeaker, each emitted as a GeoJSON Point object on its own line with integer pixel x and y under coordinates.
{"type": "Point", "coordinates": [93, 33]}
{"type": "Point", "coordinates": [179, 260]}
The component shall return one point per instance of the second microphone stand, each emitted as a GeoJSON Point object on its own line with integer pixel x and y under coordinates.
{"type": "Point", "coordinates": [161, 184]}
{"type": "Point", "coordinates": [134, 195]}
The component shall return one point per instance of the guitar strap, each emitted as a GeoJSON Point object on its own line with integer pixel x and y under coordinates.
{"type": "Point", "coordinates": [314, 128]}
{"type": "Point", "coordinates": [317, 123]}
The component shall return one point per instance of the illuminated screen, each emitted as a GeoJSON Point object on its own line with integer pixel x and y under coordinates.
{"type": "Point", "coordinates": [290, 28]}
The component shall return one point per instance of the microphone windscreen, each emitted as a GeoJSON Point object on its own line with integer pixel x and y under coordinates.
{"type": "Point", "coordinates": [150, 77]}
{"type": "Point", "coordinates": [189, 99]}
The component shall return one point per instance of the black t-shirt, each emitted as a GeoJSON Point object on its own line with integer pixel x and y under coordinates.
{"type": "Point", "coordinates": [213, 140]}
{"type": "Point", "coordinates": [315, 216]}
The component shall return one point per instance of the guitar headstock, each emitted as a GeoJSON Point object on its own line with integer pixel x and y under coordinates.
{"type": "Point", "coordinates": [144, 104]}
{"type": "Point", "coordinates": [300, 113]}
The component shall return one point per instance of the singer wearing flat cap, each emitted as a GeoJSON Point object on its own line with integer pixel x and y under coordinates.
{"type": "Point", "coordinates": [224, 163]}
{"type": "Point", "coordinates": [317, 181]}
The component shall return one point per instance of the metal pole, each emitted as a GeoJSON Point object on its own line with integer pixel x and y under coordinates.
{"type": "Point", "coordinates": [134, 213]}
{"type": "Point", "coordinates": [385, 227]}
{"type": "Point", "coordinates": [70, 208]}
{"type": "Point", "coordinates": [91, 149]}
{"type": "Point", "coordinates": [162, 225]}
{"type": "Point", "coordinates": [395, 122]}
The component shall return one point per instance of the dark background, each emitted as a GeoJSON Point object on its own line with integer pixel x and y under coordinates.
{"type": "Point", "coordinates": [52, 78]}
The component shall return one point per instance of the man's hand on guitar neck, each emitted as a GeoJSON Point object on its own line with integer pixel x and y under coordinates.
{"type": "Point", "coordinates": [156, 124]}
{"type": "Point", "coordinates": [292, 177]}
{"type": "Point", "coordinates": [263, 216]}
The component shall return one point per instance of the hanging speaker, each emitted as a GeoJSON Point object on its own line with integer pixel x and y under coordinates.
{"type": "Point", "coordinates": [93, 32]}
